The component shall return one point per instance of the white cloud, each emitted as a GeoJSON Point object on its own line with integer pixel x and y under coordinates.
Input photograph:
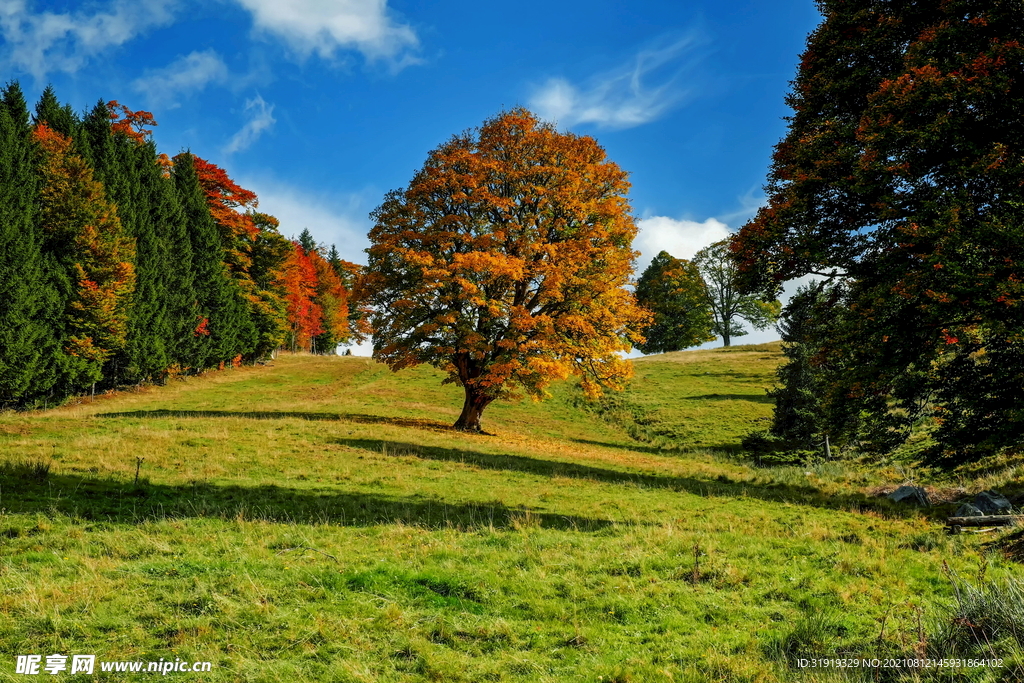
{"type": "Point", "coordinates": [679, 237]}
{"type": "Point", "coordinates": [338, 219]}
{"type": "Point", "coordinates": [261, 118]}
{"type": "Point", "coordinates": [44, 42]}
{"type": "Point", "coordinates": [749, 203]}
{"type": "Point", "coordinates": [684, 238]}
{"type": "Point", "coordinates": [324, 26]}
{"type": "Point", "coordinates": [185, 74]}
{"type": "Point", "coordinates": [618, 98]}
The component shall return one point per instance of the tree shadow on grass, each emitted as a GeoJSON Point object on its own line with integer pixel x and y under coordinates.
{"type": "Point", "coordinates": [111, 500]}
{"type": "Point", "coordinates": [666, 451]}
{"type": "Point", "coordinates": [731, 397]}
{"type": "Point", "coordinates": [634, 447]}
{"type": "Point", "coordinates": [722, 486]}
{"type": "Point", "coordinates": [360, 418]}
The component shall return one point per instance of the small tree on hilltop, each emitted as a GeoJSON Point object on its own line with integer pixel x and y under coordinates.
{"type": "Point", "coordinates": [673, 290]}
{"type": "Point", "coordinates": [727, 302]}
{"type": "Point", "coordinates": [504, 263]}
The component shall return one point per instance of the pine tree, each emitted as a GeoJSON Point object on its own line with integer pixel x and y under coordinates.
{"type": "Point", "coordinates": [57, 117]}
{"type": "Point", "coordinates": [223, 329]}
{"type": "Point", "coordinates": [306, 241]}
{"type": "Point", "coordinates": [26, 343]}
{"type": "Point", "coordinates": [91, 257]}
{"type": "Point", "coordinates": [171, 243]}
{"type": "Point", "coordinates": [269, 252]}
{"type": "Point", "coordinates": [797, 416]}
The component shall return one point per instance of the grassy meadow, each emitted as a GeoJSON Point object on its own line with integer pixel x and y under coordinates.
{"type": "Point", "coordinates": [316, 520]}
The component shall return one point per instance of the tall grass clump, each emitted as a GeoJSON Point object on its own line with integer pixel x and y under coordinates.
{"type": "Point", "coordinates": [984, 621]}
{"type": "Point", "coordinates": [27, 470]}
{"type": "Point", "coordinates": [817, 632]}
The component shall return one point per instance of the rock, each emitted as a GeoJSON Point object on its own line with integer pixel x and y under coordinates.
{"type": "Point", "coordinates": [909, 494]}
{"type": "Point", "coordinates": [968, 510]}
{"type": "Point", "coordinates": [992, 503]}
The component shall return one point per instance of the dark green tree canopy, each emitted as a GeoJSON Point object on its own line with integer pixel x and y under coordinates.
{"type": "Point", "coordinates": [902, 175]}
{"type": "Point", "coordinates": [672, 289]}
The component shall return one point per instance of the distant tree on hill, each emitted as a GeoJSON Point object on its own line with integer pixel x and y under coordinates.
{"type": "Point", "coordinates": [298, 280]}
{"type": "Point", "coordinates": [727, 302]}
{"type": "Point", "coordinates": [673, 290]}
{"type": "Point", "coordinates": [504, 263]}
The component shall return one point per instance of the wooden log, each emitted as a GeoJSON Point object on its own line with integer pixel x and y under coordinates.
{"type": "Point", "coordinates": [985, 520]}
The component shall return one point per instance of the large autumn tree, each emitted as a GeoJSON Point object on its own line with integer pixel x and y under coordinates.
{"type": "Point", "coordinates": [504, 263]}
{"type": "Point", "coordinates": [902, 177]}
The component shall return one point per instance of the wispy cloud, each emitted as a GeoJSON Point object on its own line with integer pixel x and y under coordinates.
{"type": "Point", "coordinates": [261, 118]}
{"type": "Point", "coordinates": [623, 97]}
{"type": "Point", "coordinates": [749, 203]}
{"type": "Point", "coordinates": [185, 74]}
{"type": "Point", "coordinates": [39, 43]}
{"type": "Point", "coordinates": [325, 26]}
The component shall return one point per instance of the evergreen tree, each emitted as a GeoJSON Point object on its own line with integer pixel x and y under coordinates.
{"type": "Point", "coordinates": [224, 329]}
{"type": "Point", "coordinates": [673, 290]}
{"type": "Point", "coordinates": [172, 245]}
{"type": "Point", "coordinates": [26, 342]}
{"type": "Point", "coordinates": [306, 241]}
{"type": "Point", "coordinates": [17, 108]}
{"type": "Point", "coordinates": [269, 252]}
{"type": "Point", "coordinates": [153, 216]}
{"type": "Point", "coordinates": [91, 260]}
{"type": "Point", "coordinates": [57, 117]}
{"type": "Point", "coordinates": [797, 416]}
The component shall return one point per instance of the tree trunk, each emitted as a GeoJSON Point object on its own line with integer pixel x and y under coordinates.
{"type": "Point", "coordinates": [726, 339]}
{"type": "Point", "coordinates": [472, 409]}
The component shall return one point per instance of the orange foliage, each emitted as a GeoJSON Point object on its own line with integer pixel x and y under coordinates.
{"type": "Point", "coordinates": [133, 124]}
{"type": "Point", "coordinates": [331, 296]}
{"type": "Point", "coordinates": [298, 278]}
{"type": "Point", "coordinates": [224, 197]}
{"type": "Point", "coordinates": [73, 210]}
{"type": "Point", "coordinates": [359, 313]}
{"type": "Point", "coordinates": [505, 262]}
{"type": "Point", "coordinates": [165, 163]}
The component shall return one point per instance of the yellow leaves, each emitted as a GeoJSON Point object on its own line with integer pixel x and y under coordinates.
{"type": "Point", "coordinates": [489, 265]}
{"type": "Point", "coordinates": [505, 261]}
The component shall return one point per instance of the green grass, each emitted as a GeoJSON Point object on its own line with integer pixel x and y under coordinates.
{"type": "Point", "coordinates": [316, 520]}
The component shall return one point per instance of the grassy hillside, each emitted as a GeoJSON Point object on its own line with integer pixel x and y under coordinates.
{"type": "Point", "coordinates": [316, 520]}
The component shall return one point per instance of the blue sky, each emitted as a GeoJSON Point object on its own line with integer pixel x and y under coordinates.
{"type": "Point", "coordinates": [322, 106]}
